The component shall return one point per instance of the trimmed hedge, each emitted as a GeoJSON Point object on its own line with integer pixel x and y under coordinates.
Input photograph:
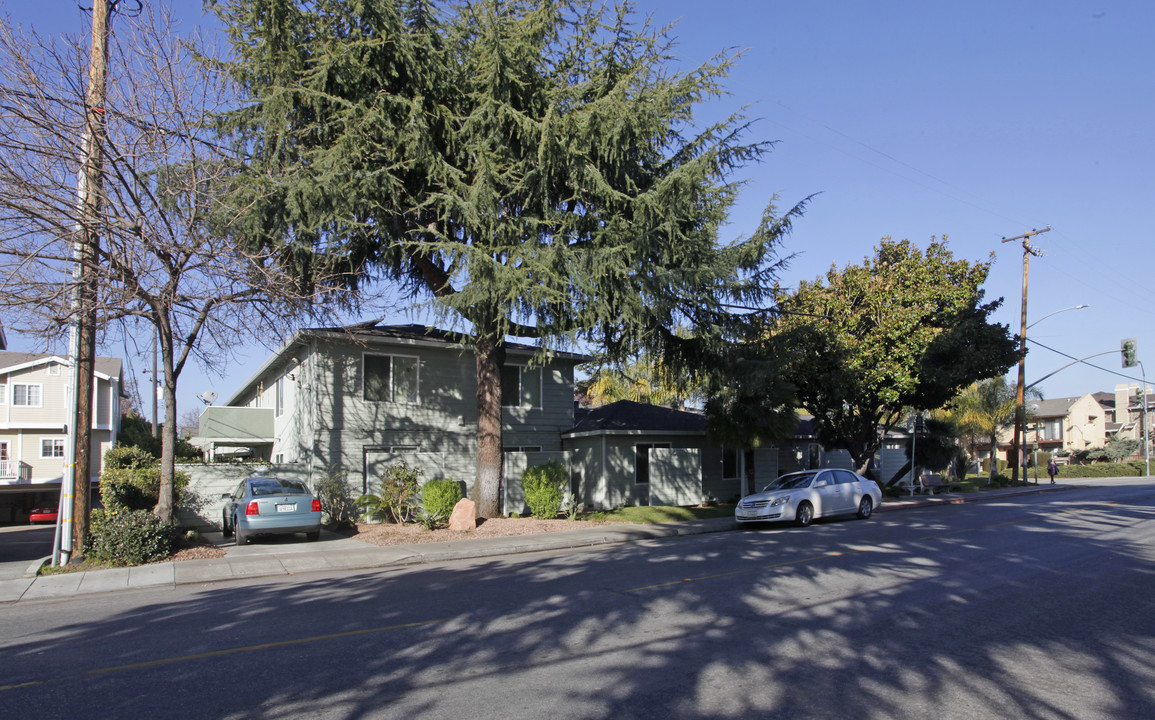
{"type": "Point", "coordinates": [438, 497]}
{"type": "Point", "coordinates": [544, 489]}
{"type": "Point", "coordinates": [135, 537]}
{"type": "Point", "coordinates": [1131, 468]}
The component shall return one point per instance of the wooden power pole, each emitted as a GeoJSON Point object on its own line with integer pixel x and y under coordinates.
{"type": "Point", "coordinates": [86, 253]}
{"type": "Point", "coordinates": [1020, 392]}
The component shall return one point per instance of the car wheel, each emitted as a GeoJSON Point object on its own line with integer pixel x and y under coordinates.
{"type": "Point", "coordinates": [315, 535]}
{"type": "Point", "coordinates": [242, 537]}
{"type": "Point", "coordinates": [865, 507]}
{"type": "Point", "coordinates": [226, 529]}
{"type": "Point", "coordinates": [805, 515]}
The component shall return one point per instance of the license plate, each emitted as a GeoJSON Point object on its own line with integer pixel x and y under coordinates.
{"type": "Point", "coordinates": [286, 507]}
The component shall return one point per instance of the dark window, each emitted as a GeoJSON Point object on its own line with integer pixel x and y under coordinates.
{"type": "Point", "coordinates": [390, 378]}
{"type": "Point", "coordinates": [729, 463]}
{"type": "Point", "coordinates": [642, 461]}
{"type": "Point", "coordinates": [520, 386]}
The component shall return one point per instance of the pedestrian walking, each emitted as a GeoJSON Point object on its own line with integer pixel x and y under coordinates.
{"type": "Point", "coordinates": [1052, 470]}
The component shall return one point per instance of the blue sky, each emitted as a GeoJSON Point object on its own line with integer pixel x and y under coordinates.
{"type": "Point", "coordinates": [978, 120]}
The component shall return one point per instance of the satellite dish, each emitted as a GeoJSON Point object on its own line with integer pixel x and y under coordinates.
{"type": "Point", "coordinates": [208, 398]}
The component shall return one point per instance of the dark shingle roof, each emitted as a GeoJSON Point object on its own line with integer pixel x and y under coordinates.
{"type": "Point", "coordinates": [626, 415]}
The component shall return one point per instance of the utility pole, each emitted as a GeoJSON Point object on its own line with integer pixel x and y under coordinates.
{"type": "Point", "coordinates": [1020, 409]}
{"type": "Point", "coordinates": [85, 252]}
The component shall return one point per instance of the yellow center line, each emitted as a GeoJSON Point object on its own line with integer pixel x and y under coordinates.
{"type": "Point", "coordinates": [21, 685]}
{"type": "Point", "coordinates": [262, 646]}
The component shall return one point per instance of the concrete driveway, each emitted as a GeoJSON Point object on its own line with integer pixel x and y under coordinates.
{"type": "Point", "coordinates": [20, 545]}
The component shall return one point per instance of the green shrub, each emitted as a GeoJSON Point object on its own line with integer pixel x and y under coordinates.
{"type": "Point", "coordinates": [395, 501]}
{"type": "Point", "coordinates": [337, 499]}
{"type": "Point", "coordinates": [1131, 468]}
{"type": "Point", "coordinates": [128, 457]}
{"type": "Point", "coordinates": [133, 538]}
{"type": "Point", "coordinates": [440, 496]}
{"type": "Point", "coordinates": [138, 488]}
{"type": "Point", "coordinates": [544, 487]}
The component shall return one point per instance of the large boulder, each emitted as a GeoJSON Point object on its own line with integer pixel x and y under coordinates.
{"type": "Point", "coordinates": [464, 515]}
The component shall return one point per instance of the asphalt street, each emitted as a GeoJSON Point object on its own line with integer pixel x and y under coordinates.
{"type": "Point", "coordinates": [1035, 606]}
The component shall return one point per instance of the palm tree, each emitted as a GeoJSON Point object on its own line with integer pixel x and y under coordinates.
{"type": "Point", "coordinates": [984, 409]}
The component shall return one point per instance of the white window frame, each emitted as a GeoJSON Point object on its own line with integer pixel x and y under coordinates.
{"type": "Point", "coordinates": [26, 386]}
{"type": "Point", "coordinates": [56, 443]}
{"type": "Point", "coordinates": [4, 393]}
{"type": "Point", "coordinates": [4, 454]}
{"type": "Point", "coordinates": [392, 389]}
{"type": "Point", "coordinates": [280, 393]}
{"type": "Point", "coordinates": [521, 371]}
{"type": "Point", "coordinates": [522, 449]}
{"type": "Point", "coordinates": [52, 369]}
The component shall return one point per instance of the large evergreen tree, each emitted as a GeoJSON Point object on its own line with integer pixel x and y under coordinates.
{"type": "Point", "coordinates": [904, 330]}
{"type": "Point", "coordinates": [533, 167]}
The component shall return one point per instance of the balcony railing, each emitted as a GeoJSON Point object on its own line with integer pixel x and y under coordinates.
{"type": "Point", "coordinates": [15, 470]}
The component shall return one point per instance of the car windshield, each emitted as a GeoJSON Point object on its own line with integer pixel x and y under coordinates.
{"type": "Point", "coordinates": [269, 486]}
{"type": "Point", "coordinates": [790, 482]}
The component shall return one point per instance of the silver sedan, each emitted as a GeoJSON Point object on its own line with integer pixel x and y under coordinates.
{"type": "Point", "coordinates": [802, 497]}
{"type": "Point", "coordinates": [264, 505]}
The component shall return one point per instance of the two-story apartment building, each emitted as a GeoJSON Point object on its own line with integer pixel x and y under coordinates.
{"type": "Point", "coordinates": [364, 397]}
{"type": "Point", "coordinates": [35, 405]}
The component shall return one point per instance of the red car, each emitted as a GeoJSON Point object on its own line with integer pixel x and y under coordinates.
{"type": "Point", "coordinates": [45, 514]}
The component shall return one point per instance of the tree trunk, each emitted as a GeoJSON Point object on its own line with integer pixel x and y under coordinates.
{"type": "Point", "coordinates": [490, 353]}
{"type": "Point", "coordinates": [994, 459]}
{"type": "Point", "coordinates": [164, 502]}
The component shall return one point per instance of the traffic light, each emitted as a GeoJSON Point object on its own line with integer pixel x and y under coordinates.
{"type": "Point", "coordinates": [1128, 350]}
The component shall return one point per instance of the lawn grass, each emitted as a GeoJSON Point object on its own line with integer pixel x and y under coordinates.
{"type": "Point", "coordinates": [661, 513]}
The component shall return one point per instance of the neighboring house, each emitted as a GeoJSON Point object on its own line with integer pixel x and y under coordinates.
{"type": "Point", "coordinates": [1070, 423]}
{"type": "Point", "coordinates": [1126, 410]}
{"type": "Point", "coordinates": [361, 398]}
{"type": "Point", "coordinates": [630, 453]}
{"type": "Point", "coordinates": [35, 408]}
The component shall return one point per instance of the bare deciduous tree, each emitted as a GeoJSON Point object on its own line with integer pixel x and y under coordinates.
{"type": "Point", "coordinates": [166, 262]}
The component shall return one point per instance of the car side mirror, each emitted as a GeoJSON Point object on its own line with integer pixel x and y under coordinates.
{"type": "Point", "coordinates": [227, 496]}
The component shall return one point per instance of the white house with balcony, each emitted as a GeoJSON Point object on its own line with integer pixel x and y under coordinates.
{"type": "Point", "coordinates": [35, 405]}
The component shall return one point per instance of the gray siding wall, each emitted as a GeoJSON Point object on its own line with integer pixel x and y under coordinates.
{"type": "Point", "coordinates": [675, 476]}
{"type": "Point", "coordinates": [327, 423]}
{"type": "Point", "coordinates": [209, 482]}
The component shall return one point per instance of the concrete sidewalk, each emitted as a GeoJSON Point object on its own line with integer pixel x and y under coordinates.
{"type": "Point", "coordinates": [335, 552]}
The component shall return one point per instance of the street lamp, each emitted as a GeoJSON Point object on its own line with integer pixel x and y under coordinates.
{"type": "Point", "coordinates": [1076, 307]}
{"type": "Point", "coordinates": [1020, 394]}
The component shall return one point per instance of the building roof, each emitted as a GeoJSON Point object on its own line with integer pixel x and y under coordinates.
{"type": "Point", "coordinates": [1055, 407]}
{"type": "Point", "coordinates": [9, 360]}
{"type": "Point", "coordinates": [630, 416]}
{"type": "Point", "coordinates": [412, 335]}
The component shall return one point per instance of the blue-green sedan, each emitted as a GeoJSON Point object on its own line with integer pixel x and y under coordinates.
{"type": "Point", "coordinates": [270, 506]}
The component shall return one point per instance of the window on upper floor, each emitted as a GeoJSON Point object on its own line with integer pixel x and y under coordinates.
{"type": "Point", "coordinates": [280, 397]}
{"type": "Point", "coordinates": [3, 393]}
{"type": "Point", "coordinates": [27, 395]}
{"type": "Point", "coordinates": [52, 447]}
{"type": "Point", "coordinates": [390, 378]}
{"type": "Point", "coordinates": [520, 386]}
{"type": "Point", "coordinates": [52, 369]}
